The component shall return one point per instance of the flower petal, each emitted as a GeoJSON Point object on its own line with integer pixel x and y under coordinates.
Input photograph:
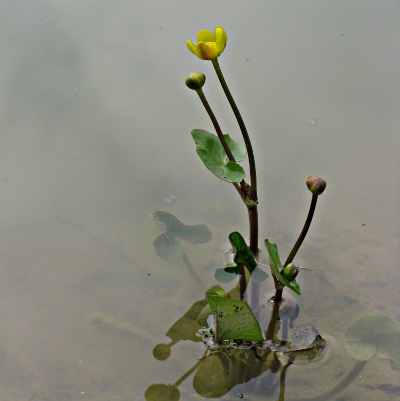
{"type": "Point", "coordinates": [191, 47]}
{"type": "Point", "coordinates": [207, 51]}
{"type": "Point", "coordinates": [220, 38]}
{"type": "Point", "coordinates": [205, 36]}
{"type": "Point", "coordinates": [208, 45]}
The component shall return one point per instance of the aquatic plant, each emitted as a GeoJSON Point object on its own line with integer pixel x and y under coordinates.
{"type": "Point", "coordinates": [237, 350]}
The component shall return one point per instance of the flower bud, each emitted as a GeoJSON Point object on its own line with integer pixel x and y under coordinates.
{"type": "Point", "coordinates": [316, 184]}
{"type": "Point", "coordinates": [195, 80]}
{"type": "Point", "coordinates": [290, 271]}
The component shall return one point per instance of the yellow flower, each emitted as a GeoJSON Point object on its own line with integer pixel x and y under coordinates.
{"type": "Point", "coordinates": [209, 45]}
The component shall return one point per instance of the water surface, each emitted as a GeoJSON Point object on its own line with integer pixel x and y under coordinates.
{"type": "Point", "coordinates": [95, 136]}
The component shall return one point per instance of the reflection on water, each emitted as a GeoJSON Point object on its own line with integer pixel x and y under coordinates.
{"type": "Point", "coordinates": [235, 363]}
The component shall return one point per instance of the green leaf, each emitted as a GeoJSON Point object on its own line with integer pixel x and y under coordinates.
{"type": "Point", "coordinates": [168, 247]}
{"type": "Point", "coordinates": [234, 320]}
{"type": "Point", "coordinates": [275, 264]}
{"type": "Point", "coordinates": [194, 234]}
{"type": "Point", "coordinates": [242, 252]}
{"type": "Point", "coordinates": [227, 274]}
{"type": "Point", "coordinates": [214, 157]}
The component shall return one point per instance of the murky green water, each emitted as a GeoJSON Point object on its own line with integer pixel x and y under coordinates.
{"type": "Point", "coordinates": [95, 136]}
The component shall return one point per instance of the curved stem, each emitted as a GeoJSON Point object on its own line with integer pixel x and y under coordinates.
{"type": "Point", "coordinates": [337, 388]}
{"type": "Point", "coordinates": [193, 271]}
{"type": "Point", "coordinates": [250, 153]}
{"type": "Point", "coordinates": [202, 96]}
{"type": "Point", "coordinates": [188, 373]}
{"type": "Point", "coordinates": [221, 137]}
{"type": "Point", "coordinates": [253, 221]}
{"type": "Point", "coordinates": [270, 333]}
{"type": "Point", "coordinates": [282, 382]}
{"type": "Point", "coordinates": [303, 231]}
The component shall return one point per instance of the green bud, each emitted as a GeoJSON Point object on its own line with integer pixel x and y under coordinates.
{"type": "Point", "coordinates": [290, 271]}
{"type": "Point", "coordinates": [316, 184]}
{"type": "Point", "coordinates": [195, 80]}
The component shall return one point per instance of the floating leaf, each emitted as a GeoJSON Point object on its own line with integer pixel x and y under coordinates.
{"type": "Point", "coordinates": [276, 264]}
{"type": "Point", "coordinates": [234, 319]}
{"type": "Point", "coordinates": [369, 332]}
{"type": "Point", "coordinates": [258, 275]}
{"type": "Point", "coordinates": [194, 234]}
{"type": "Point", "coordinates": [168, 247]}
{"type": "Point", "coordinates": [214, 157]}
{"type": "Point", "coordinates": [227, 274]}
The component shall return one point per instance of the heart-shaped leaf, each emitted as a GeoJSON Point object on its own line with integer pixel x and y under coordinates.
{"type": "Point", "coordinates": [194, 234]}
{"type": "Point", "coordinates": [234, 320]}
{"type": "Point", "coordinates": [370, 332]}
{"type": "Point", "coordinates": [168, 247]}
{"type": "Point", "coordinates": [214, 157]}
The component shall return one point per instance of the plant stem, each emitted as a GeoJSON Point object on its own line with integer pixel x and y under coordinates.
{"type": "Point", "coordinates": [337, 388]}
{"type": "Point", "coordinates": [303, 231]}
{"type": "Point", "coordinates": [247, 193]}
{"type": "Point", "coordinates": [296, 247]}
{"type": "Point", "coordinates": [253, 222]}
{"type": "Point", "coordinates": [221, 137]}
{"type": "Point", "coordinates": [270, 333]}
{"type": "Point", "coordinates": [250, 153]}
{"type": "Point", "coordinates": [193, 271]}
{"type": "Point", "coordinates": [188, 373]}
{"type": "Point", "coordinates": [242, 283]}
{"type": "Point", "coordinates": [250, 193]}
{"type": "Point", "coordinates": [282, 382]}
{"type": "Point", "coordinates": [255, 287]}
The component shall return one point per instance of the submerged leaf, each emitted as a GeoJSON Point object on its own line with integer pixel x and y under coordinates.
{"type": "Point", "coordinates": [194, 234]}
{"type": "Point", "coordinates": [227, 274]}
{"type": "Point", "coordinates": [369, 332]}
{"type": "Point", "coordinates": [276, 264]}
{"type": "Point", "coordinates": [258, 275]}
{"type": "Point", "coordinates": [168, 247]}
{"type": "Point", "coordinates": [214, 157]}
{"type": "Point", "coordinates": [234, 319]}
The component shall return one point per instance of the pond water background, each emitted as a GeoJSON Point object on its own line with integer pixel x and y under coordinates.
{"type": "Point", "coordinates": [95, 136]}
